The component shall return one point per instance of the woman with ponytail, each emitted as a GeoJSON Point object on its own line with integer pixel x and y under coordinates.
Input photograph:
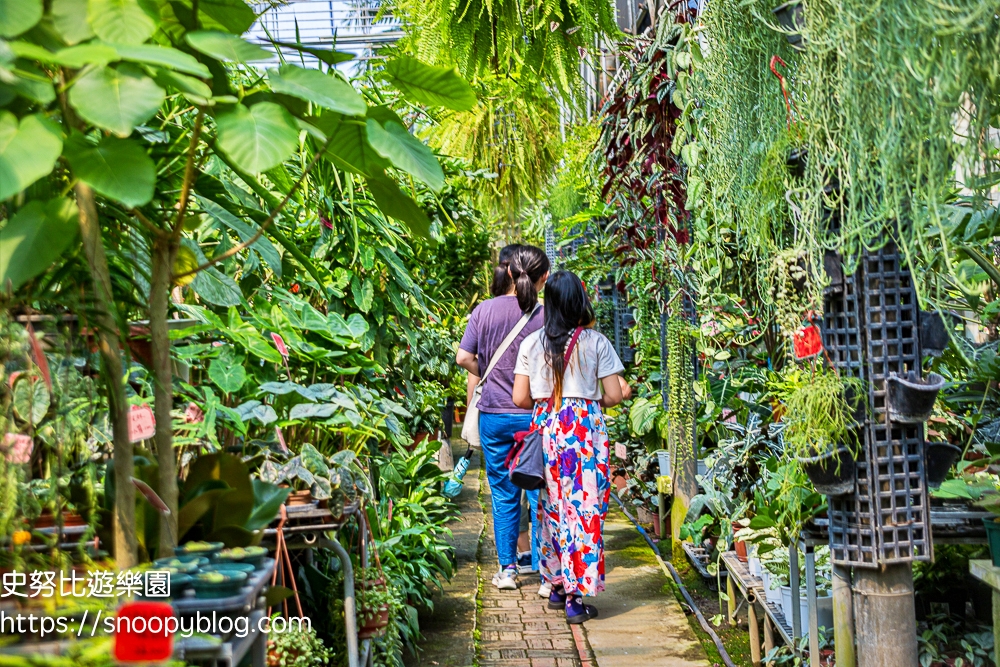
{"type": "Point", "coordinates": [566, 372]}
{"type": "Point", "coordinates": [502, 283]}
{"type": "Point", "coordinates": [499, 419]}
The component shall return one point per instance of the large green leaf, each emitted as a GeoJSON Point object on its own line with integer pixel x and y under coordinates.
{"type": "Point", "coordinates": [262, 245]}
{"type": "Point", "coordinates": [312, 85]}
{"type": "Point", "coordinates": [230, 15]}
{"type": "Point", "coordinates": [28, 151]}
{"type": "Point", "coordinates": [116, 99]}
{"type": "Point", "coordinates": [29, 82]}
{"type": "Point", "coordinates": [234, 536]}
{"type": "Point", "coordinates": [75, 57]}
{"type": "Point", "coordinates": [30, 399]}
{"type": "Point", "coordinates": [70, 20]}
{"type": "Point", "coordinates": [164, 56]}
{"type": "Point", "coordinates": [348, 144]}
{"type": "Point", "coordinates": [393, 142]}
{"type": "Point", "coordinates": [193, 89]}
{"type": "Point", "coordinates": [116, 168]}
{"type": "Point", "coordinates": [259, 138]}
{"type": "Point", "coordinates": [34, 238]}
{"type": "Point", "coordinates": [194, 509]}
{"type": "Point", "coordinates": [325, 55]}
{"type": "Point", "coordinates": [125, 21]}
{"type": "Point", "coordinates": [227, 375]}
{"type": "Point", "coordinates": [223, 46]}
{"type": "Point", "coordinates": [212, 285]}
{"type": "Point", "coordinates": [16, 16]}
{"type": "Point", "coordinates": [391, 201]}
{"type": "Point", "coordinates": [433, 86]}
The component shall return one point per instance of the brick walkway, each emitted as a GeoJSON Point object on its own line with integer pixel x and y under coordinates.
{"type": "Point", "coordinates": [516, 627]}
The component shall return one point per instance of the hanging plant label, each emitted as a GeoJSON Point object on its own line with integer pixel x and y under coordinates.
{"type": "Point", "coordinates": [147, 635]}
{"type": "Point", "coordinates": [621, 451]}
{"type": "Point", "coordinates": [141, 424]}
{"type": "Point", "coordinates": [193, 414]}
{"type": "Point", "coordinates": [18, 448]}
{"type": "Point", "coordinates": [281, 439]}
{"type": "Point", "coordinates": [807, 342]}
{"type": "Point", "coordinates": [279, 343]}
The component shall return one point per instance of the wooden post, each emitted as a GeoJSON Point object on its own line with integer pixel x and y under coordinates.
{"type": "Point", "coordinates": [754, 633]}
{"type": "Point", "coordinates": [813, 611]}
{"type": "Point", "coordinates": [885, 616]}
{"type": "Point", "coordinates": [843, 616]}
{"type": "Point", "coordinates": [731, 602]}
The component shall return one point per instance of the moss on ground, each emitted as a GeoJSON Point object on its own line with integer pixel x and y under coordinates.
{"type": "Point", "coordinates": [735, 639]}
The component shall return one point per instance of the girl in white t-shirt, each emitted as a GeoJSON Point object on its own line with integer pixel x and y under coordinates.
{"type": "Point", "coordinates": [567, 395]}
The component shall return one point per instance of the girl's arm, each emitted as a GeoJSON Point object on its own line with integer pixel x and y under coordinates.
{"type": "Point", "coordinates": [468, 361]}
{"type": "Point", "coordinates": [626, 390]}
{"type": "Point", "coordinates": [470, 387]}
{"type": "Point", "coordinates": [522, 392]}
{"type": "Point", "coordinates": [613, 394]}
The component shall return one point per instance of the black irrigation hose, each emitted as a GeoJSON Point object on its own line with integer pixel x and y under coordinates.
{"type": "Point", "coordinates": [705, 625]}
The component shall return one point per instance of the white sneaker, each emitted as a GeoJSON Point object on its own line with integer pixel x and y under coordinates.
{"type": "Point", "coordinates": [545, 590]}
{"type": "Point", "coordinates": [506, 579]}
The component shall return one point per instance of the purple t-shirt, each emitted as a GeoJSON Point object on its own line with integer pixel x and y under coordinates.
{"type": "Point", "coordinates": [489, 324]}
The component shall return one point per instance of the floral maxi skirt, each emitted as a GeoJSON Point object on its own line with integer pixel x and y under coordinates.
{"type": "Point", "coordinates": [574, 503]}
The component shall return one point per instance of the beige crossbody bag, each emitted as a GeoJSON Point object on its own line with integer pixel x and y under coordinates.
{"type": "Point", "coordinates": [470, 428]}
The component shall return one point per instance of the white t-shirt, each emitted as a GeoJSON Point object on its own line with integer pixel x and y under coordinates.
{"type": "Point", "coordinates": [593, 359]}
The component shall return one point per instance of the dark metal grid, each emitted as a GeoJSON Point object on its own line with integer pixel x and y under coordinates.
{"type": "Point", "coordinates": [899, 493]}
{"type": "Point", "coordinates": [852, 530]}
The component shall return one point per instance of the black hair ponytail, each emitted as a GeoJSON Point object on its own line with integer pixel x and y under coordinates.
{"type": "Point", "coordinates": [527, 267]}
{"type": "Point", "coordinates": [566, 308]}
{"type": "Point", "coordinates": [501, 276]}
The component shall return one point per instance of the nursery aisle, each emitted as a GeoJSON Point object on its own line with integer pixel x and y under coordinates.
{"type": "Point", "coordinates": [639, 622]}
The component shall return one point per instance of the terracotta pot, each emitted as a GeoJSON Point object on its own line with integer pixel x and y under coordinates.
{"type": "Point", "coordinates": [621, 482]}
{"type": "Point", "coordinates": [373, 583]}
{"type": "Point", "coordinates": [298, 498]}
{"type": "Point", "coordinates": [459, 414]}
{"type": "Point", "coordinates": [419, 437]}
{"type": "Point", "coordinates": [739, 545]}
{"type": "Point", "coordinates": [47, 520]}
{"type": "Point", "coordinates": [375, 626]}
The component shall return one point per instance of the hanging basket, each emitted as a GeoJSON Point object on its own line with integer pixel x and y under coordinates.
{"type": "Point", "coordinates": [910, 399]}
{"type": "Point", "coordinates": [831, 473]}
{"type": "Point", "coordinates": [376, 624]}
{"type": "Point", "coordinates": [939, 457]}
{"type": "Point", "coordinates": [791, 16]}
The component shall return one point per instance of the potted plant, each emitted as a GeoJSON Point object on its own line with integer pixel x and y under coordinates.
{"type": "Point", "coordinates": [427, 401]}
{"type": "Point", "coordinates": [297, 647]}
{"type": "Point", "coordinates": [822, 416]}
{"type": "Point", "coordinates": [313, 478]}
{"type": "Point", "coordinates": [375, 600]}
{"type": "Point", "coordinates": [910, 398]}
{"type": "Point", "coordinates": [939, 457]}
{"type": "Point", "coordinates": [215, 585]}
{"type": "Point", "coordinates": [791, 17]}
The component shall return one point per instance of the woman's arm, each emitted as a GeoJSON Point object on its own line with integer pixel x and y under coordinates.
{"type": "Point", "coordinates": [522, 392]}
{"type": "Point", "coordinates": [470, 387]}
{"type": "Point", "coordinates": [468, 361]}
{"type": "Point", "coordinates": [613, 393]}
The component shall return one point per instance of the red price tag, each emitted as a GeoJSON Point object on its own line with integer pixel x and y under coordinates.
{"type": "Point", "coordinates": [144, 632]}
{"type": "Point", "coordinates": [141, 424]}
{"type": "Point", "coordinates": [807, 342]}
{"type": "Point", "coordinates": [279, 343]}
{"type": "Point", "coordinates": [18, 448]}
{"type": "Point", "coordinates": [621, 451]}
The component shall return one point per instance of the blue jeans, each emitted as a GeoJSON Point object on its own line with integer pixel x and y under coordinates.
{"type": "Point", "coordinates": [496, 434]}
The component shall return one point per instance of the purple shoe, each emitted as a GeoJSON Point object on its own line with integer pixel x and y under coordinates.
{"type": "Point", "coordinates": [557, 598]}
{"type": "Point", "coordinates": [577, 612]}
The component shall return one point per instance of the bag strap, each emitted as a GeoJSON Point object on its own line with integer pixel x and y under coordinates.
{"type": "Point", "coordinates": [570, 346]}
{"type": "Point", "coordinates": [506, 342]}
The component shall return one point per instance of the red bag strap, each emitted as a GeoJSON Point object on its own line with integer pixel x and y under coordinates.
{"type": "Point", "coordinates": [572, 342]}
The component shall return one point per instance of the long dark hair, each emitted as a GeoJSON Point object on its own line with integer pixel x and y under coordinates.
{"type": "Point", "coordinates": [501, 277]}
{"type": "Point", "coordinates": [566, 308]}
{"type": "Point", "coordinates": [527, 267]}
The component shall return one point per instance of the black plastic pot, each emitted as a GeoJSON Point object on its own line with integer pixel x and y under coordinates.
{"type": "Point", "coordinates": [939, 457]}
{"type": "Point", "coordinates": [933, 333]}
{"type": "Point", "coordinates": [832, 473]}
{"type": "Point", "coordinates": [796, 161]}
{"type": "Point", "coordinates": [791, 16]}
{"type": "Point", "coordinates": [833, 265]}
{"type": "Point", "coordinates": [448, 417]}
{"type": "Point", "coordinates": [910, 399]}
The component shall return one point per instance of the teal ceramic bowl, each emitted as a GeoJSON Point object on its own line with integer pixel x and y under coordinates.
{"type": "Point", "coordinates": [199, 549]}
{"type": "Point", "coordinates": [185, 564]}
{"type": "Point", "coordinates": [247, 568]}
{"type": "Point", "coordinates": [215, 585]}
{"type": "Point", "coordinates": [252, 555]}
